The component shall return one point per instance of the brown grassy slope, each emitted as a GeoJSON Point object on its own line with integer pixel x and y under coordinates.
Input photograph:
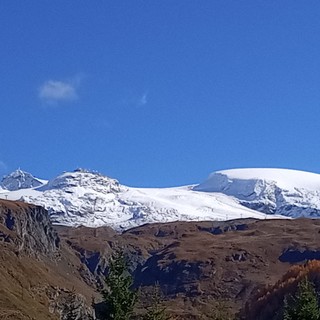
{"type": "Point", "coordinates": [197, 263]}
{"type": "Point", "coordinates": [29, 280]}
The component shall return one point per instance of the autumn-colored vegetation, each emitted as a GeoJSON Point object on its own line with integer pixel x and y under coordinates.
{"type": "Point", "coordinates": [268, 302]}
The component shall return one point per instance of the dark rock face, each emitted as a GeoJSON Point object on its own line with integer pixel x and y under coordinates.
{"type": "Point", "coordinates": [42, 273]}
{"type": "Point", "coordinates": [173, 278]}
{"type": "Point", "coordinates": [9, 220]}
{"type": "Point", "coordinates": [225, 227]}
{"type": "Point", "coordinates": [92, 261]}
{"type": "Point", "coordinates": [268, 208]}
{"type": "Point", "coordinates": [28, 228]}
{"type": "Point", "coordinates": [201, 260]}
{"type": "Point", "coordinates": [295, 256]}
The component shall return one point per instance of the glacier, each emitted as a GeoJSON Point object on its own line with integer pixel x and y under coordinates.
{"type": "Point", "coordinates": [286, 192]}
{"type": "Point", "coordinates": [88, 198]}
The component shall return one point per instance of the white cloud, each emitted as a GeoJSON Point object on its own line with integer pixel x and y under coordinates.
{"type": "Point", "coordinates": [143, 100]}
{"type": "Point", "coordinates": [53, 91]}
{"type": "Point", "coordinates": [3, 167]}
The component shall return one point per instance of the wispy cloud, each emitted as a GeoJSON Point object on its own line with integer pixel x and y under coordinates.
{"type": "Point", "coordinates": [134, 100]}
{"type": "Point", "coordinates": [143, 100]}
{"type": "Point", "coordinates": [55, 91]}
{"type": "Point", "coordinates": [3, 167]}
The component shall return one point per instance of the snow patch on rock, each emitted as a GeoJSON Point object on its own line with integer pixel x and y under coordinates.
{"type": "Point", "coordinates": [285, 192]}
{"type": "Point", "coordinates": [19, 179]}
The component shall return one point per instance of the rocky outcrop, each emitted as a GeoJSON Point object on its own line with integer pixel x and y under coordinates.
{"type": "Point", "coordinates": [195, 264]}
{"type": "Point", "coordinates": [68, 304]}
{"type": "Point", "coordinates": [222, 227]}
{"type": "Point", "coordinates": [28, 229]}
{"type": "Point", "coordinates": [38, 269]}
{"type": "Point", "coordinates": [20, 180]}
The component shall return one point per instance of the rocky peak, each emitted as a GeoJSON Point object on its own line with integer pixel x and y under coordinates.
{"type": "Point", "coordinates": [84, 179]}
{"type": "Point", "coordinates": [20, 179]}
{"type": "Point", "coordinates": [27, 228]}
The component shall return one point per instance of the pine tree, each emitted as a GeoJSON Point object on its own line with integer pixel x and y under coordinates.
{"type": "Point", "coordinates": [156, 311]}
{"type": "Point", "coordinates": [304, 305]}
{"type": "Point", "coordinates": [221, 311]}
{"type": "Point", "coordinates": [119, 296]}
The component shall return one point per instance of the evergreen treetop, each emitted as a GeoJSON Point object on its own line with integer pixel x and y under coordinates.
{"type": "Point", "coordinates": [119, 295]}
{"type": "Point", "coordinates": [304, 305]}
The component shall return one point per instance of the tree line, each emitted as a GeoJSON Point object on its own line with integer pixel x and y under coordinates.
{"type": "Point", "coordinates": [294, 297]}
{"type": "Point", "coordinates": [121, 298]}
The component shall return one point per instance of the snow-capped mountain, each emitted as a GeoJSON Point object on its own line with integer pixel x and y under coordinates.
{"type": "Point", "coordinates": [88, 198]}
{"type": "Point", "coordinates": [20, 180]}
{"type": "Point", "coordinates": [273, 191]}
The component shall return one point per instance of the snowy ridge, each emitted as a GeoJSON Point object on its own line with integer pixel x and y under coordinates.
{"type": "Point", "coordinates": [274, 191]}
{"type": "Point", "coordinates": [88, 198]}
{"type": "Point", "coordinates": [20, 180]}
{"type": "Point", "coordinates": [91, 199]}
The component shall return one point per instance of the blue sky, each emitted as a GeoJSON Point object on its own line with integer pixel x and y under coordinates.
{"type": "Point", "coordinates": [159, 93]}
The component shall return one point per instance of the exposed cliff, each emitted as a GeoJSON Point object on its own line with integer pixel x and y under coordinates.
{"type": "Point", "coordinates": [28, 229]}
{"type": "Point", "coordinates": [37, 274]}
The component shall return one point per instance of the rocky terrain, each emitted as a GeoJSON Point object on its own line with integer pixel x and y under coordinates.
{"type": "Point", "coordinates": [20, 179]}
{"type": "Point", "coordinates": [200, 263]}
{"type": "Point", "coordinates": [197, 264]}
{"type": "Point", "coordinates": [38, 275]}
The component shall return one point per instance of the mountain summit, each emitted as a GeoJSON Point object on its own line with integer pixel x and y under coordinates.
{"type": "Point", "coordinates": [19, 179]}
{"type": "Point", "coordinates": [91, 199]}
{"type": "Point", "coordinates": [285, 192]}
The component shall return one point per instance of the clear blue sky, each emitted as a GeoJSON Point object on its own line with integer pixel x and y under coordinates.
{"type": "Point", "coordinates": [159, 93]}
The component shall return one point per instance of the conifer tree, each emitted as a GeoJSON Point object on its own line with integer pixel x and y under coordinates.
{"type": "Point", "coordinates": [221, 311]}
{"type": "Point", "coordinates": [119, 295]}
{"type": "Point", "coordinates": [156, 311]}
{"type": "Point", "coordinates": [304, 305]}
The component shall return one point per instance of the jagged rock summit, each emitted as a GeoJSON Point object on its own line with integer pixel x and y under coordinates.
{"type": "Point", "coordinates": [19, 179]}
{"type": "Point", "coordinates": [91, 199]}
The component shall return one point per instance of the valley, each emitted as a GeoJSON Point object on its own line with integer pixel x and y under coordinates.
{"type": "Point", "coordinates": [195, 263]}
{"type": "Point", "coordinates": [55, 248]}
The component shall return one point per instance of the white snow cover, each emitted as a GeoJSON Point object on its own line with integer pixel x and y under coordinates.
{"type": "Point", "coordinates": [282, 191]}
{"type": "Point", "coordinates": [91, 199]}
{"type": "Point", "coordinates": [20, 180]}
{"type": "Point", "coordinates": [284, 178]}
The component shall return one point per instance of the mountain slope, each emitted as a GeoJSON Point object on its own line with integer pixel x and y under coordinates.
{"type": "Point", "coordinates": [91, 199]}
{"type": "Point", "coordinates": [273, 191]}
{"type": "Point", "coordinates": [20, 180]}
{"type": "Point", "coordinates": [37, 271]}
{"type": "Point", "coordinates": [195, 263]}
